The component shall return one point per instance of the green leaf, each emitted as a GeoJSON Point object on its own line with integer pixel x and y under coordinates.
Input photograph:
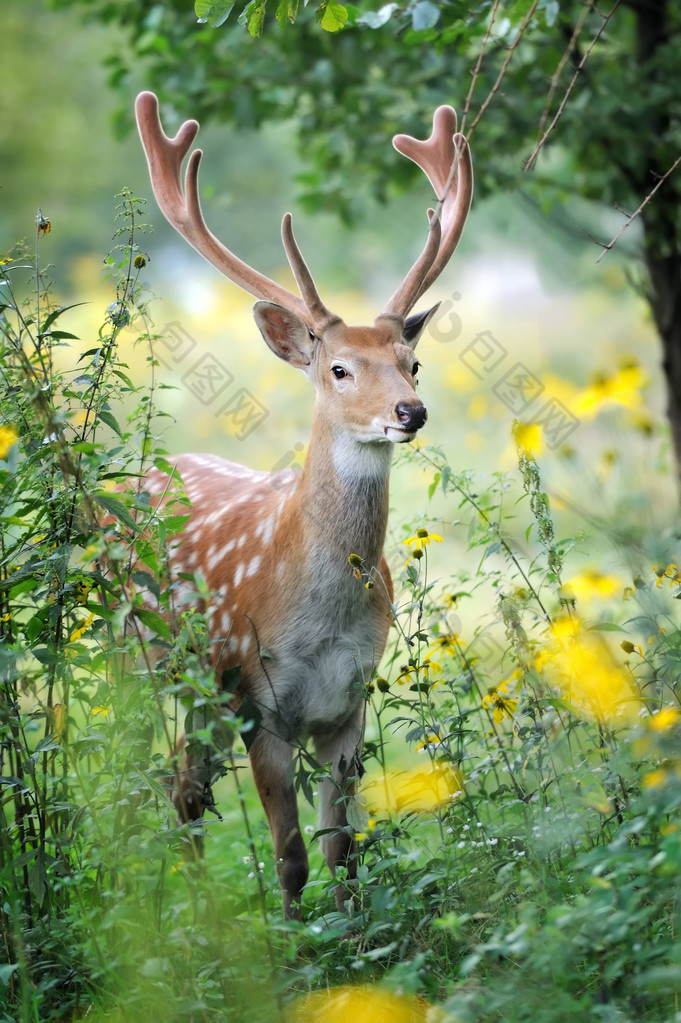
{"type": "Point", "coordinates": [153, 621]}
{"type": "Point", "coordinates": [148, 582]}
{"type": "Point", "coordinates": [433, 486]}
{"type": "Point", "coordinates": [334, 17]}
{"type": "Point", "coordinates": [215, 12]}
{"type": "Point", "coordinates": [230, 679]}
{"type": "Point", "coordinates": [424, 15]}
{"type": "Point", "coordinates": [110, 420]}
{"type": "Point", "coordinates": [115, 508]}
{"type": "Point", "coordinates": [6, 971]}
{"type": "Point", "coordinates": [286, 11]}
{"type": "Point", "coordinates": [255, 18]}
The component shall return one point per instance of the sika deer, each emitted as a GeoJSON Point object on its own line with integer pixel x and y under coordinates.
{"type": "Point", "coordinates": [273, 547]}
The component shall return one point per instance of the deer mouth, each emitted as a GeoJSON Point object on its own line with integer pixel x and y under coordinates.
{"type": "Point", "coordinates": [398, 434]}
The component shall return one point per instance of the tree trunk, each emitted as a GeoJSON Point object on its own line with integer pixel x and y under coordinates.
{"type": "Point", "coordinates": [665, 301]}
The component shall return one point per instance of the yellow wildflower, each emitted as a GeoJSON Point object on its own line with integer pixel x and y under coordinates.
{"type": "Point", "coordinates": [670, 572]}
{"type": "Point", "coordinates": [500, 704]}
{"type": "Point", "coordinates": [101, 710]}
{"type": "Point", "coordinates": [580, 664]}
{"type": "Point", "coordinates": [664, 719]}
{"type": "Point", "coordinates": [8, 437]}
{"type": "Point", "coordinates": [361, 1004]}
{"type": "Point", "coordinates": [529, 438]}
{"type": "Point", "coordinates": [416, 790]}
{"type": "Point", "coordinates": [433, 740]}
{"type": "Point", "coordinates": [79, 632]}
{"type": "Point", "coordinates": [622, 388]}
{"type": "Point", "coordinates": [654, 779]}
{"type": "Point", "coordinates": [444, 644]}
{"type": "Point", "coordinates": [593, 585]}
{"type": "Point", "coordinates": [421, 540]}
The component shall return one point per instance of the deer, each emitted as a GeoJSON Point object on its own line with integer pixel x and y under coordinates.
{"type": "Point", "coordinates": [277, 549]}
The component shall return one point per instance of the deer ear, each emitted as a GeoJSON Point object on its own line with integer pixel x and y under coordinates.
{"type": "Point", "coordinates": [286, 334]}
{"type": "Point", "coordinates": [415, 325]}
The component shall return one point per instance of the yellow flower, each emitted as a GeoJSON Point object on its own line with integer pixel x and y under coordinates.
{"type": "Point", "coordinates": [419, 790]}
{"type": "Point", "coordinates": [82, 588]}
{"type": "Point", "coordinates": [622, 388]}
{"type": "Point", "coordinates": [432, 740]}
{"type": "Point", "coordinates": [529, 438]}
{"type": "Point", "coordinates": [500, 704]}
{"type": "Point", "coordinates": [664, 719]}
{"type": "Point", "coordinates": [101, 710]}
{"type": "Point", "coordinates": [444, 644]}
{"type": "Point", "coordinates": [580, 665]}
{"type": "Point", "coordinates": [8, 437]}
{"type": "Point", "coordinates": [593, 585]}
{"type": "Point", "coordinates": [79, 632]}
{"type": "Point", "coordinates": [671, 573]}
{"type": "Point", "coordinates": [361, 1004]}
{"type": "Point", "coordinates": [654, 779]}
{"type": "Point", "coordinates": [421, 540]}
{"type": "Point", "coordinates": [361, 836]}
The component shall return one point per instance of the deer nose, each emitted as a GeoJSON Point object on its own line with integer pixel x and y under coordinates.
{"type": "Point", "coordinates": [412, 417]}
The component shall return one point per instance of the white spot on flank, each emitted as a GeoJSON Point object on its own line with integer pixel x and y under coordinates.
{"type": "Point", "coordinates": [253, 566]}
{"type": "Point", "coordinates": [245, 644]}
{"type": "Point", "coordinates": [241, 541]}
{"type": "Point", "coordinates": [214, 558]}
{"type": "Point", "coordinates": [239, 574]}
{"type": "Point", "coordinates": [265, 528]}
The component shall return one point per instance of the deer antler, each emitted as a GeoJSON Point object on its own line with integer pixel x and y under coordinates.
{"type": "Point", "coordinates": [445, 158]}
{"type": "Point", "coordinates": [183, 210]}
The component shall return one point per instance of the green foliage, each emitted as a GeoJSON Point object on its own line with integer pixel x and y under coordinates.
{"type": "Point", "coordinates": [519, 826]}
{"type": "Point", "coordinates": [389, 67]}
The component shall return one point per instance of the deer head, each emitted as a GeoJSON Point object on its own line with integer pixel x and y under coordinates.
{"type": "Point", "coordinates": [364, 376]}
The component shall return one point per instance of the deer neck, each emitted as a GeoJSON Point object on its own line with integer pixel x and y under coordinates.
{"type": "Point", "coordinates": [342, 496]}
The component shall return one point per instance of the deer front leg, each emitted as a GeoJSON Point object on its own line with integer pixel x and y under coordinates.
{"type": "Point", "coordinates": [342, 752]}
{"type": "Point", "coordinates": [270, 760]}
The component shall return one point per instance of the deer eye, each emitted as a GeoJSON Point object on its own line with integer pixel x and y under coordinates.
{"type": "Point", "coordinates": [338, 372]}
{"type": "Point", "coordinates": [415, 368]}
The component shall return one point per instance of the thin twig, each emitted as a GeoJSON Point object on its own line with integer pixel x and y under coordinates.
{"type": "Point", "coordinates": [568, 92]}
{"type": "Point", "coordinates": [632, 218]}
{"type": "Point", "coordinates": [502, 74]}
{"type": "Point", "coordinates": [478, 65]}
{"type": "Point", "coordinates": [561, 64]}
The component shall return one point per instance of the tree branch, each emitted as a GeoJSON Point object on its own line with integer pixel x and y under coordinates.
{"type": "Point", "coordinates": [632, 218]}
{"type": "Point", "coordinates": [559, 113]}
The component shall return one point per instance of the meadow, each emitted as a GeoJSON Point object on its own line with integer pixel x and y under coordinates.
{"type": "Point", "coordinates": [519, 821]}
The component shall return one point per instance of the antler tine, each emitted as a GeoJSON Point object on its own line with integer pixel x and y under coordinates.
{"type": "Point", "coordinates": [321, 317]}
{"type": "Point", "coordinates": [445, 159]}
{"type": "Point", "coordinates": [183, 209]}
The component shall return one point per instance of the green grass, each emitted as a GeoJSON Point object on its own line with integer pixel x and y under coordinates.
{"type": "Point", "coordinates": [520, 849]}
